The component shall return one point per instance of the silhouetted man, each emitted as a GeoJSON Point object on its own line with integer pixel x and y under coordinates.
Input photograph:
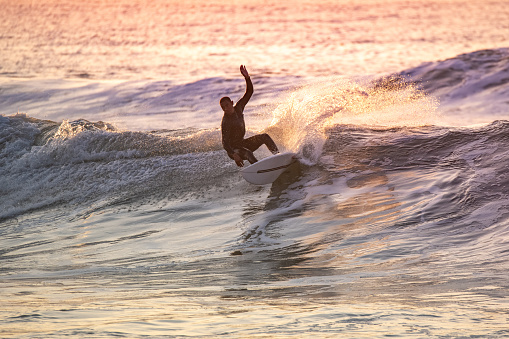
{"type": "Point", "coordinates": [233, 128]}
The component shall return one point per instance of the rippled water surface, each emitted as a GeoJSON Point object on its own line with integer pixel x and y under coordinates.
{"type": "Point", "coordinates": [122, 216]}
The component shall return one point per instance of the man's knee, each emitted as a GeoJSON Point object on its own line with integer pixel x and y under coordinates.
{"type": "Point", "coordinates": [265, 137]}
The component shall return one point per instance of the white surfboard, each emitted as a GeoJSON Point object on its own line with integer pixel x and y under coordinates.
{"type": "Point", "coordinates": [267, 170]}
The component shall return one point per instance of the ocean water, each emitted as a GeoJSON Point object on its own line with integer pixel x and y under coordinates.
{"type": "Point", "coordinates": [122, 216]}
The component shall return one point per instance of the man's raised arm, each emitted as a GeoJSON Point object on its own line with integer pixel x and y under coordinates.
{"type": "Point", "coordinates": [249, 88]}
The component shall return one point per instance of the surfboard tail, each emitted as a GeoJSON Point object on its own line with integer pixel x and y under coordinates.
{"type": "Point", "coordinates": [269, 169]}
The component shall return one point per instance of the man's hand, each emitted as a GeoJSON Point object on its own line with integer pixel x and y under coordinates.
{"type": "Point", "coordinates": [238, 160]}
{"type": "Point", "coordinates": [243, 71]}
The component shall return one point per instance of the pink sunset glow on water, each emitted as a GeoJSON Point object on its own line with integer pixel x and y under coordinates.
{"type": "Point", "coordinates": [195, 39]}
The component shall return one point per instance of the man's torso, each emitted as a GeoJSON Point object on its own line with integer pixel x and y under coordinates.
{"type": "Point", "coordinates": [233, 127]}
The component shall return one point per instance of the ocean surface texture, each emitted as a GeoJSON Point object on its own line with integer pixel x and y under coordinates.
{"type": "Point", "coordinates": [122, 216]}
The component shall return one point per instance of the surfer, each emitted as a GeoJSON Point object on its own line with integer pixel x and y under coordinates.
{"type": "Point", "coordinates": [233, 128]}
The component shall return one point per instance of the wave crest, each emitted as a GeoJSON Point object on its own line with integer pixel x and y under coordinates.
{"type": "Point", "coordinates": [301, 120]}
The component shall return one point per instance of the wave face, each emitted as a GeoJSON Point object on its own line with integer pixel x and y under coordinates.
{"type": "Point", "coordinates": [394, 220]}
{"type": "Point", "coordinates": [78, 163]}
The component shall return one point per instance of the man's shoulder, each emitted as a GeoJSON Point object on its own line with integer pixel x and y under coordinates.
{"type": "Point", "coordinates": [239, 110]}
{"type": "Point", "coordinates": [227, 120]}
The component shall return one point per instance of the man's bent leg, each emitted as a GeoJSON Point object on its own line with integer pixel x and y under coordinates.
{"type": "Point", "coordinates": [254, 142]}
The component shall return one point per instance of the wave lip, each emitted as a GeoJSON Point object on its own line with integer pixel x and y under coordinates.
{"type": "Point", "coordinates": [473, 88]}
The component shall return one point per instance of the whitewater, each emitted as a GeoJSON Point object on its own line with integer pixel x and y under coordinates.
{"type": "Point", "coordinates": [122, 216]}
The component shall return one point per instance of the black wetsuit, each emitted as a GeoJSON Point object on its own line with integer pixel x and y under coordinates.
{"type": "Point", "coordinates": [233, 129]}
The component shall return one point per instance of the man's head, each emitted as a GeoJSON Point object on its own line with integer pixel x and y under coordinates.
{"type": "Point", "coordinates": [227, 105]}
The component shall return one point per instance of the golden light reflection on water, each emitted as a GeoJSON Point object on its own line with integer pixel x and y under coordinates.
{"type": "Point", "coordinates": [353, 312]}
{"type": "Point", "coordinates": [334, 282]}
